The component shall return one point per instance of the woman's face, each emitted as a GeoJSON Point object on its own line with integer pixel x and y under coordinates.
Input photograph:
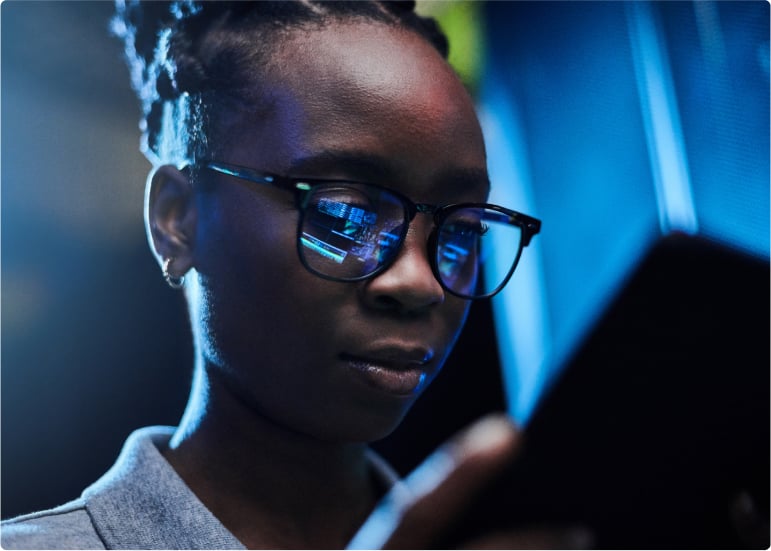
{"type": "Point", "coordinates": [338, 361]}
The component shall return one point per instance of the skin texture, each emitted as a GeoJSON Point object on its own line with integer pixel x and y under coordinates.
{"type": "Point", "coordinates": [245, 243]}
{"type": "Point", "coordinates": [277, 420]}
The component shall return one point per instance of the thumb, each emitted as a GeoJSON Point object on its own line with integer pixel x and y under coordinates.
{"type": "Point", "coordinates": [419, 511]}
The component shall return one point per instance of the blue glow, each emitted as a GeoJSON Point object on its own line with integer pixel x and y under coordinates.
{"type": "Point", "coordinates": [387, 243]}
{"type": "Point", "coordinates": [493, 216]}
{"type": "Point", "coordinates": [661, 120]}
{"type": "Point", "coordinates": [348, 212]}
{"type": "Point", "coordinates": [324, 249]}
{"type": "Point", "coordinates": [565, 145]}
{"type": "Point", "coordinates": [519, 310]}
{"type": "Point", "coordinates": [454, 252]}
{"type": "Point", "coordinates": [615, 122]}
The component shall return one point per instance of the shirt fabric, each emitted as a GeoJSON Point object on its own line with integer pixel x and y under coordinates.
{"type": "Point", "coordinates": [140, 503]}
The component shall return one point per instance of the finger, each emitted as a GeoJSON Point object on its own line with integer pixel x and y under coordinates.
{"type": "Point", "coordinates": [448, 481]}
{"type": "Point", "coordinates": [414, 512]}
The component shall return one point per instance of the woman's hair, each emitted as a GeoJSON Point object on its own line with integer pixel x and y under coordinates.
{"type": "Point", "coordinates": [192, 63]}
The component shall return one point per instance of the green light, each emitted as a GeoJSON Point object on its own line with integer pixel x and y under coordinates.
{"type": "Point", "coordinates": [462, 22]}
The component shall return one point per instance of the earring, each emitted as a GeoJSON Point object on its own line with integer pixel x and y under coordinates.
{"type": "Point", "coordinates": [174, 282]}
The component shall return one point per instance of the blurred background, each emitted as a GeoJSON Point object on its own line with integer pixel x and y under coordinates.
{"type": "Point", "coordinates": [613, 122]}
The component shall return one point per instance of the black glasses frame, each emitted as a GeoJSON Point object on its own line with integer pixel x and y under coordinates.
{"type": "Point", "coordinates": [301, 187]}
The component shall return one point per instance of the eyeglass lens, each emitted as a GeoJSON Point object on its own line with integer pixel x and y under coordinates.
{"type": "Point", "coordinates": [350, 231]}
{"type": "Point", "coordinates": [477, 249]}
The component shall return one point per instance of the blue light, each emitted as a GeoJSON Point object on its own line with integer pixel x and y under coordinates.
{"type": "Point", "coordinates": [519, 310]}
{"type": "Point", "coordinates": [615, 123]}
{"type": "Point", "coordinates": [324, 249]}
{"type": "Point", "coordinates": [661, 120]}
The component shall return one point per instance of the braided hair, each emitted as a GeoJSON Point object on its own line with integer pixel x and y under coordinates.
{"type": "Point", "coordinates": [191, 61]}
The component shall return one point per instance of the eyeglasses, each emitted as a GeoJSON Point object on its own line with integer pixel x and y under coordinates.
{"type": "Point", "coordinates": [352, 231]}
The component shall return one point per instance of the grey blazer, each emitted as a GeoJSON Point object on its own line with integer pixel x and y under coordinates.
{"type": "Point", "coordinates": [140, 503]}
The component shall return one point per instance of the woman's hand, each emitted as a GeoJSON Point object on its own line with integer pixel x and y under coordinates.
{"type": "Point", "coordinates": [420, 513]}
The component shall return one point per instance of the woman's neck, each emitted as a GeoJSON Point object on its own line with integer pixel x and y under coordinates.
{"type": "Point", "coordinates": [269, 485]}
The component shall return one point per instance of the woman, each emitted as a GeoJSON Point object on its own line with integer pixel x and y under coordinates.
{"type": "Point", "coordinates": [305, 154]}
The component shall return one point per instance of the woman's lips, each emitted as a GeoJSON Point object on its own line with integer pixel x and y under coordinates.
{"type": "Point", "coordinates": [397, 372]}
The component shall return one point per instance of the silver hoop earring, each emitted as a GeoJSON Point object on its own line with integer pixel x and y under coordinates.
{"type": "Point", "coordinates": [173, 282]}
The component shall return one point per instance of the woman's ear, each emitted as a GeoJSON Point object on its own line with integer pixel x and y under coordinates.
{"type": "Point", "coordinates": [170, 218]}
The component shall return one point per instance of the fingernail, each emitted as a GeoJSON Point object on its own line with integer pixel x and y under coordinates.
{"type": "Point", "coordinates": [488, 434]}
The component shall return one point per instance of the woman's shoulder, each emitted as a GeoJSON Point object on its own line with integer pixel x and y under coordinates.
{"type": "Point", "coordinates": [68, 526]}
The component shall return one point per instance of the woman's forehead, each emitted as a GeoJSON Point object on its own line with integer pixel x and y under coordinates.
{"type": "Point", "coordinates": [367, 59]}
{"type": "Point", "coordinates": [370, 86]}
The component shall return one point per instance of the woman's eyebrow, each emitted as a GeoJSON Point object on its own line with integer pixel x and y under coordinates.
{"type": "Point", "coordinates": [460, 179]}
{"type": "Point", "coordinates": [355, 164]}
{"type": "Point", "coordinates": [368, 166]}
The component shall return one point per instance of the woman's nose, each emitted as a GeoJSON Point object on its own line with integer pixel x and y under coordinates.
{"type": "Point", "coordinates": [408, 286]}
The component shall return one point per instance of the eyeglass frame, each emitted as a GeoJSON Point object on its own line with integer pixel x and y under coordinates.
{"type": "Point", "coordinates": [301, 187]}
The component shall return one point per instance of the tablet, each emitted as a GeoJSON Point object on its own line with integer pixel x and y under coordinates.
{"type": "Point", "coordinates": [661, 417]}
